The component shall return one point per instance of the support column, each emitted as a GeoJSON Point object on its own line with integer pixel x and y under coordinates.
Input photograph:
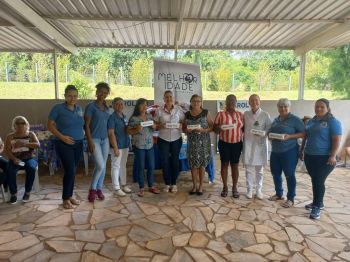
{"type": "Point", "coordinates": [175, 54]}
{"type": "Point", "coordinates": [55, 75]}
{"type": "Point", "coordinates": [302, 77]}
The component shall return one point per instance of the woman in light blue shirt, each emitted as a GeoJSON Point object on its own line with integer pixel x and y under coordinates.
{"type": "Point", "coordinates": [96, 118]}
{"type": "Point", "coordinates": [66, 123]}
{"type": "Point", "coordinates": [319, 149]}
{"type": "Point", "coordinates": [142, 140]}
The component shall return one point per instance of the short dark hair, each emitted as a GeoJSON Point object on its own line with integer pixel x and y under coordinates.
{"type": "Point", "coordinates": [116, 99]}
{"type": "Point", "coordinates": [104, 85]}
{"type": "Point", "coordinates": [70, 88]}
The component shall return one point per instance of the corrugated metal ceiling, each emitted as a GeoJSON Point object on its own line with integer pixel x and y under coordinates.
{"type": "Point", "coordinates": [183, 24]}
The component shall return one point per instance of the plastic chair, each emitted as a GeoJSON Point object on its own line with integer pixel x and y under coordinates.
{"type": "Point", "coordinates": [36, 184]}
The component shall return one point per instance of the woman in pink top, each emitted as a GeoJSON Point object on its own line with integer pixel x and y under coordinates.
{"type": "Point", "coordinates": [229, 125]}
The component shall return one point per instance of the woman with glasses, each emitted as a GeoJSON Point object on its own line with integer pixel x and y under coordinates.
{"type": "Point", "coordinates": [198, 125]}
{"type": "Point", "coordinates": [66, 123]}
{"type": "Point", "coordinates": [20, 148]}
{"type": "Point", "coordinates": [285, 129]}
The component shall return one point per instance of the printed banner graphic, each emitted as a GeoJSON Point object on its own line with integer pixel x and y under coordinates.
{"type": "Point", "coordinates": [182, 79]}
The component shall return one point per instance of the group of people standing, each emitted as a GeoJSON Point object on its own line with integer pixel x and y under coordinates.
{"type": "Point", "coordinates": [248, 133]}
{"type": "Point", "coordinates": [320, 141]}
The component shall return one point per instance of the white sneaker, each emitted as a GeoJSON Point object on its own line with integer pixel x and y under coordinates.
{"type": "Point", "coordinates": [166, 189]}
{"type": "Point", "coordinates": [127, 189]}
{"type": "Point", "coordinates": [120, 193]}
{"type": "Point", "coordinates": [259, 195]}
{"type": "Point", "coordinates": [173, 189]}
{"type": "Point", "coordinates": [249, 195]}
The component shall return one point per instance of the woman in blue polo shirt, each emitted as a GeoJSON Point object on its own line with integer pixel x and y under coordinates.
{"type": "Point", "coordinates": [285, 151]}
{"type": "Point", "coordinates": [319, 149]}
{"type": "Point", "coordinates": [66, 124]}
{"type": "Point", "coordinates": [119, 141]}
{"type": "Point", "coordinates": [96, 118]}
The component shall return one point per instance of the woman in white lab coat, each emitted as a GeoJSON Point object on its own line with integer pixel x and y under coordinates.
{"type": "Point", "coordinates": [255, 146]}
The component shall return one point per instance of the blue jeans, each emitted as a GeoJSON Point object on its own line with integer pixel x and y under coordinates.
{"type": "Point", "coordinates": [142, 156]}
{"type": "Point", "coordinates": [286, 162]}
{"type": "Point", "coordinates": [169, 156]}
{"type": "Point", "coordinates": [30, 166]}
{"type": "Point", "coordinates": [318, 170]}
{"type": "Point", "coordinates": [100, 156]}
{"type": "Point", "coordinates": [70, 156]}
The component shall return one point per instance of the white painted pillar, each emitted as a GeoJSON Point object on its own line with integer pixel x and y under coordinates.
{"type": "Point", "coordinates": [302, 77]}
{"type": "Point", "coordinates": [175, 54]}
{"type": "Point", "coordinates": [55, 75]}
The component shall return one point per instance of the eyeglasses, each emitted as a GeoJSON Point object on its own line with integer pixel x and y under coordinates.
{"type": "Point", "coordinates": [20, 123]}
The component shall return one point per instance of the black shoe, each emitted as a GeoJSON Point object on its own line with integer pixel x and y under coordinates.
{"type": "Point", "coordinates": [311, 205]}
{"type": "Point", "coordinates": [13, 199]}
{"type": "Point", "coordinates": [26, 197]}
{"type": "Point", "coordinates": [199, 193]}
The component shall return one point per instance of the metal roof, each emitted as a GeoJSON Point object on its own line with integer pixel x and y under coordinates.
{"type": "Point", "coordinates": [65, 25]}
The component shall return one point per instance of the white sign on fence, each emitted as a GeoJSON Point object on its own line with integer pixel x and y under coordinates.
{"type": "Point", "coordinates": [242, 105]}
{"type": "Point", "coordinates": [182, 79]}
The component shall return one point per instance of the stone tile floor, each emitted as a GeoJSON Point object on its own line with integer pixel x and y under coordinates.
{"type": "Point", "coordinates": [177, 227]}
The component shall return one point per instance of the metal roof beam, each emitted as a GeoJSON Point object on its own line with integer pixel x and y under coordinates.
{"type": "Point", "coordinates": [226, 47]}
{"type": "Point", "coordinates": [197, 20]}
{"type": "Point", "coordinates": [26, 30]}
{"type": "Point", "coordinates": [179, 24]}
{"type": "Point", "coordinates": [326, 35]}
{"type": "Point", "coordinates": [35, 19]}
{"type": "Point", "coordinates": [8, 24]}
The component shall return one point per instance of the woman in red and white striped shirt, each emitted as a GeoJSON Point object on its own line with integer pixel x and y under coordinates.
{"type": "Point", "coordinates": [229, 125]}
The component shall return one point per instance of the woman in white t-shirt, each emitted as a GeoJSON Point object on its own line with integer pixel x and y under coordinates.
{"type": "Point", "coordinates": [169, 118]}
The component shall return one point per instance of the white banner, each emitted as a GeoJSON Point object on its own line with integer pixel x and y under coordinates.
{"type": "Point", "coordinates": [182, 79]}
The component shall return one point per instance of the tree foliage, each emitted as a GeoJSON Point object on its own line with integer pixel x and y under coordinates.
{"type": "Point", "coordinates": [221, 70]}
{"type": "Point", "coordinates": [140, 72]}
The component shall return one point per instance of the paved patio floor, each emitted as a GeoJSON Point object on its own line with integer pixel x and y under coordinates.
{"type": "Point", "coordinates": [177, 227]}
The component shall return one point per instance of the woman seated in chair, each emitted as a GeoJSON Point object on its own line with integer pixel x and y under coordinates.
{"type": "Point", "coordinates": [19, 147]}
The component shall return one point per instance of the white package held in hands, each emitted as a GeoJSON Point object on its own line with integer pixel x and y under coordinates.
{"type": "Point", "coordinates": [172, 125]}
{"type": "Point", "coordinates": [191, 127]}
{"type": "Point", "coordinates": [147, 123]}
{"type": "Point", "coordinates": [258, 132]}
{"type": "Point", "coordinates": [227, 127]}
{"type": "Point", "coordinates": [277, 136]}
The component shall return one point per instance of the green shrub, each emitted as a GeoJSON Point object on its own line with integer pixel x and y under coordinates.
{"type": "Point", "coordinates": [83, 86]}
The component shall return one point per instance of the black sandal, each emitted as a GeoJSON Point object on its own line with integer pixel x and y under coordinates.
{"type": "Point", "coordinates": [235, 194]}
{"type": "Point", "coordinates": [224, 192]}
{"type": "Point", "coordinates": [193, 191]}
